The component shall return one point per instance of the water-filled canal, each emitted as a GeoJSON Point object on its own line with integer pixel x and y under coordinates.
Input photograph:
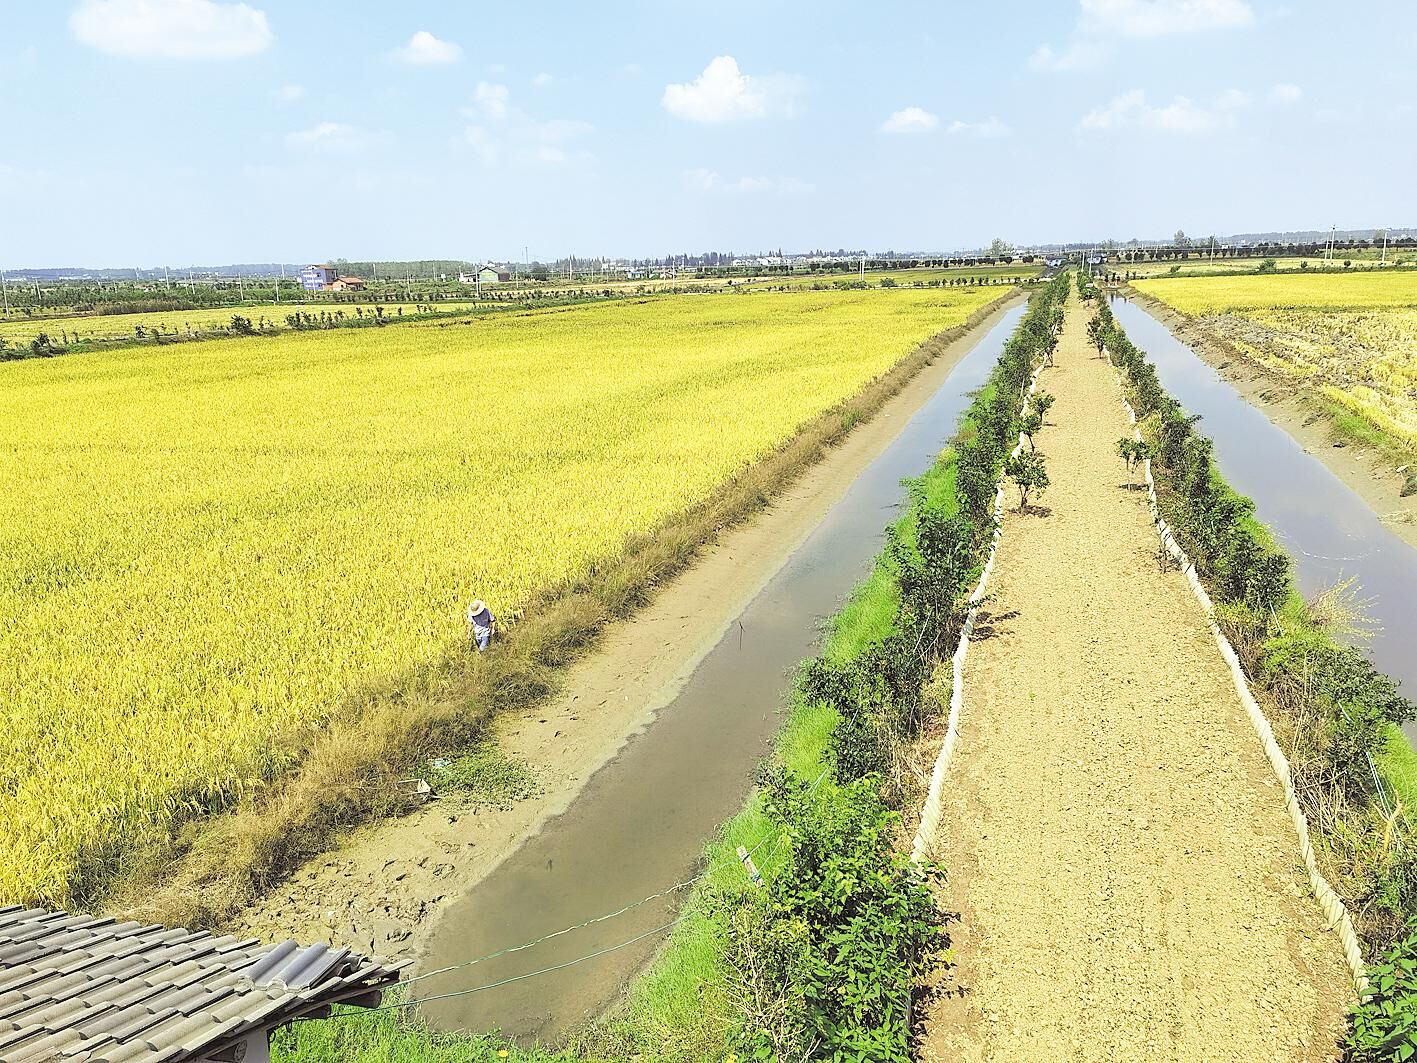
{"type": "Point", "coordinates": [642, 821]}
{"type": "Point", "coordinates": [1325, 525]}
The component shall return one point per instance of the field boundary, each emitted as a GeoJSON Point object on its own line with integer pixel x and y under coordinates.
{"type": "Point", "coordinates": [1337, 912]}
{"type": "Point", "coordinates": [205, 871]}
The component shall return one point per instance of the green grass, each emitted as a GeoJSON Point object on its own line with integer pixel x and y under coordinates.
{"type": "Point", "coordinates": [1397, 763]}
{"type": "Point", "coordinates": [485, 775]}
{"type": "Point", "coordinates": [354, 1035]}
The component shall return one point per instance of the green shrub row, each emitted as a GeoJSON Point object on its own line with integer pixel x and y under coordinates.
{"type": "Point", "coordinates": [1335, 714]}
{"type": "Point", "coordinates": [824, 960]}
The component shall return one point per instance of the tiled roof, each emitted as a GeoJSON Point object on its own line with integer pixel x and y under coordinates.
{"type": "Point", "coordinates": [83, 988]}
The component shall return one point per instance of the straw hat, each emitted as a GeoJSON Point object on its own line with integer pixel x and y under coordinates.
{"type": "Point", "coordinates": [478, 605]}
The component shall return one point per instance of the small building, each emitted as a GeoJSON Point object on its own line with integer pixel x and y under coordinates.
{"type": "Point", "coordinates": [317, 278]}
{"type": "Point", "coordinates": [493, 275]}
{"type": "Point", "coordinates": [85, 988]}
{"type": "Point", "coordinates": [345, 284]}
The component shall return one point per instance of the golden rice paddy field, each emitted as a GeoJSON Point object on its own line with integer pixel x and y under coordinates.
{"type": "Point", "coordinates": [1350, 337]}
{"type": "Point", "coordinates": [18, 330]}
{"type": "Point", "coordinates": [1200, 263]}
{"type": "Point", "coordinates": [204, 547]}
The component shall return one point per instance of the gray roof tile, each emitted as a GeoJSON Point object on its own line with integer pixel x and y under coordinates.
{"type": "Point", "coordinates": [81, 988]}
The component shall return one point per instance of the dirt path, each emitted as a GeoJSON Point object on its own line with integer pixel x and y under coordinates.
{"type": "Point", "coordinates": [383, 889]}
{"type": "Point", "coordinates": [1128, 881]}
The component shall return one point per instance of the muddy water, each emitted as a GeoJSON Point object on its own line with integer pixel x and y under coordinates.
{"type": "Point", "coordinates": [642, 821]}
{"type": "Point", "coordinates": [1327, 528]}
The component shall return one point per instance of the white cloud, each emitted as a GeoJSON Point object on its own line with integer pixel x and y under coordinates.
{"type": "Point", "coordinates": [723, 93]}
{"type": "Point", "coordinates": [171, 29]}
{"type": "Point", "coordinates": [1285, 94]}
{"type": "Point", "coordinates": [910, 120]}
{"type": "Point", "coordinates": [492, 101]}
{"type": "Point", "coordinates": [1131, 110]}
{"type": "Point", "coordinates": [1101, 22]}
{"type": "Point", "coordinates": [542, 80]}
{"type": "Point", "coordinates": [989, 129]}
{"type": "Point", "coordinates": [703, 180]}
{"type": "Point", "coordinates": [1234, 100]}
{"type": "Point", "coordinates": [424, 49]}
{"type": "Point", "coordinates": [502, 132]}
{"type": "Point", "coordinates": [1156, 18]}
{"type": "Point", "coordinates": [330, 136]}
{"type": "Point", "coordinates": [291, 93]}
{"type": "Point", "coordinates": [1078, 55]}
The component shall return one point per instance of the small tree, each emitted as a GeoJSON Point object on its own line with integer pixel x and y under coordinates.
{"type": "Point", "coordinates": [1029, 473]}
{"type": "Point", "coordinates": [1134, 452]}
{"type": "Point", "coordinates": [1267, 265]}
{"type": "Point", "coordinates": [1032, 422]}
{"type": "Point", "coordinates": [1042, 401]}
{"type": "Point", "coordinates": [1097, 333]}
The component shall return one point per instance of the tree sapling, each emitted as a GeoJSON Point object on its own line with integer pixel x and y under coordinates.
{"type": "Point", "coordinates": [1029, 473]}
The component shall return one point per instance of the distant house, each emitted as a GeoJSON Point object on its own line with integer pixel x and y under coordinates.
{"type": "Point", "coordinates": [345, 284]}
{"type": "Point", "coordinates": [317, 278]}
{"type": "Point", "coordinates": [493, 275]}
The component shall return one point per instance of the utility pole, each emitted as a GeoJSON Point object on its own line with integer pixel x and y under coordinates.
{"type": "Point", "coordinates": [5, 287]}
{"type": "Point", "coordinates": [167, 277]}
{"type": "Point", "coordinates": [1384, 261]}
{"type": "Point", "coordinates": [280, 282]}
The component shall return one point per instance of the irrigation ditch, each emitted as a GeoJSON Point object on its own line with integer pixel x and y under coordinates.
{"type": "Point", "coordinates": [825, 952]}
{"type": "Point", "coordinates": [1320, 500]}
{"type": "Point", "coordinates": [1328, 718]}
{"type": "Point", "coordinates": [213, 867]}
{"type": "Point", "coordinates": [815, 928]}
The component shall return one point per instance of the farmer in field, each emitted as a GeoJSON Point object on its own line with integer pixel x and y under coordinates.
{"type": "Point", "coordinates": [481, 624]}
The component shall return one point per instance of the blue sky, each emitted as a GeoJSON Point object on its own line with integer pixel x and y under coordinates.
{"type": "Point", "coordinates": [171, 131]}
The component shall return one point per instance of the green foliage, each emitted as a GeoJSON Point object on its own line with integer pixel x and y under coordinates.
{"type": "Point", "coordinates": [356, 1035]}
{"type": "Point", "coordinates": [825, 958]}
{"type": "Point", "coordinates": [1030, 425]}
{"type": "Point", "coordinates": [1029, 472]}
{"type": "Point", "coordinates": [1134, 452]}
{"type": "Point", "coordinates": [1042, 402]}
{"type": "Point", "coordinates": [823, 963]}
{"type": "Point", "coordinates": [485, 775]}
{"type": "Point", "coordinates": [1383, 1028]}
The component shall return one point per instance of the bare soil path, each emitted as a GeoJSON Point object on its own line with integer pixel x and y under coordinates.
{"type": "Point", "coordinates": [1128, 881]}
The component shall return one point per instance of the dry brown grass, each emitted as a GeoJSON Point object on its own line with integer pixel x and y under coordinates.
{"type": "Point", "coordinates": [210, 868]}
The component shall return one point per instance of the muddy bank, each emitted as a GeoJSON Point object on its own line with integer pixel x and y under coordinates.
{"type": "Point", "coordinates": [384, 888]}
{"type": "Point", "coordinates": [1369, 472]}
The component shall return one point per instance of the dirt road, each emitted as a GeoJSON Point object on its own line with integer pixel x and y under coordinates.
{"type": "Point", "coordinates": [1128, 880]}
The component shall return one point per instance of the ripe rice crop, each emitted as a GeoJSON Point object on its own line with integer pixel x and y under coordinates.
{"type": "Point", "coordinates": [204, 548]}
{"type": "Point", "coordinates": [1350, 337]}
{"type": "Point", "coordinates": [17, 329]}
{"type": "Point", "coordinates": [1199, 296]}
